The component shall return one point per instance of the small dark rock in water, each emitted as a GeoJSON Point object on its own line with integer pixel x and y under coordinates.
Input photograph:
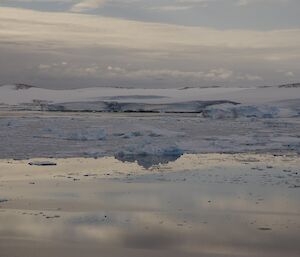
{"type": "Point", "coordinates": [264, 229]}
{"type": "Point", "coordinates": [52, 217]}
{"type": "Point", "coordinates": [287, 171]}
{"type": "Point", "coordinates": [295, 186]}
{"type": "Point", "coordinates": [45, 163]}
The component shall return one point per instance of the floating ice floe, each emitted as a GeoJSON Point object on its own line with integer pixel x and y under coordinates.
{"type": "Point", "coordinates": [42, 163]}
{"type": "Point", "coordinates": [228, 111]}
{"type": "Point", "coordinates": [132, 134]}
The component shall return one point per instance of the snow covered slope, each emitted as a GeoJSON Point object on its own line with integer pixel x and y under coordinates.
{"type": "Point", "coordinates": [147, 100]}
{"type": "Point", "coordinates": [14, 94]}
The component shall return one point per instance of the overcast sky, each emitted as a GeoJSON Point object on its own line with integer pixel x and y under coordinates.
{"type": "Point", "coordinates": [143, 43]}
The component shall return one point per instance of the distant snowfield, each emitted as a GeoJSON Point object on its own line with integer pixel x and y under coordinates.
{"type": "Point", "coordinates": [150, 100]}
{"type": "Point", "coordinates": [12, 95]}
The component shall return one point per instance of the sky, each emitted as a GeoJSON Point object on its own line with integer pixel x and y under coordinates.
{"type": "Point", "coordinates": [153, 44]}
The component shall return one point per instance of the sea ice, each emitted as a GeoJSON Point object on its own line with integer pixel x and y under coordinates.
{"type": "Point", "coordinates": [42, 163]}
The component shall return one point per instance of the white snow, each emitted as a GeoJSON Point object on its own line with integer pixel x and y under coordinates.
{"type": "Point", "coordinates": [10, 96]}
{"type": "Point", "coordinates": [228, 111]}
{"type": "Point", "coordinates": [259, 102]}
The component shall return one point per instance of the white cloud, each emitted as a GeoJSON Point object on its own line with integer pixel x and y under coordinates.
{"type": "Point", "coordinates": [249, 77]}
{"type": "Point", "coordinates": [87, 5]}
{"type": "Point", "coordinates": [181, 5]}
{"type": "Point", "coordinates": [290, 74]}
{"type": "Point", "coordinates": [248, 2]}
{"type": "Point", "coordinates": [96, 71]}
{"type": "Point", "coordinates": [172, 8]}
{"type": "Point", "coordinates": [171, 5]}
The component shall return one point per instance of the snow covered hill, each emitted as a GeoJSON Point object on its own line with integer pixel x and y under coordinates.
{"type": "Point", "coordinates": [214, 102]}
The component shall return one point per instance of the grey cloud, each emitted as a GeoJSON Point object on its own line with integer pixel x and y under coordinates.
{"type": "Point", "coordinates": [75, 50]}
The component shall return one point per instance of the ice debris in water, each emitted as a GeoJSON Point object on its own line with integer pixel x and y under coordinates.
{"type": "Point", "coordinates": [228, 111]}
{"type": "Point", "coordinates": [86, 135]}
{"type": "Point", "coordinates": [133, 134]}
{"type": "Point", "coordinates": [42, 163]}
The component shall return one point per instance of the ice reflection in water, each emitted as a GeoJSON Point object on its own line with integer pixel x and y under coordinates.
{"type": "Point", "coordinates": [198, 216]}
{"type": "Point", "coordinates": [148, 160]}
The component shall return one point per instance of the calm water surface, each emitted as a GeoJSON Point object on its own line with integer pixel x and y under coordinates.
{"type": "Point", "coordinates": [217, 212]}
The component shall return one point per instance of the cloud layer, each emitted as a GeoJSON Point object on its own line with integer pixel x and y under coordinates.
{"type": "Point", "coordinates": [43, 47]}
